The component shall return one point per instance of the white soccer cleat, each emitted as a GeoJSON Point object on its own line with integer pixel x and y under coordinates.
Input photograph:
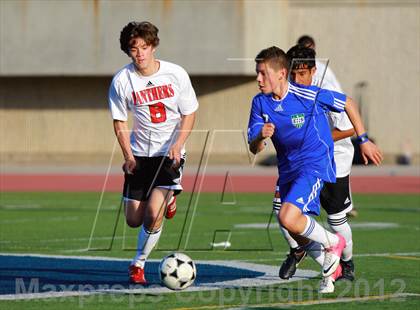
{"type": "Point", "coordinates": [327, 284]}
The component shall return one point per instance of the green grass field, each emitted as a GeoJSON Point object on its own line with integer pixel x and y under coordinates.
{"type": "Point", "coordinates": [386, 245]}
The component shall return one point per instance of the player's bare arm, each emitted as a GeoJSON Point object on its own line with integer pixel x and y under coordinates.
{"type": "Point", "coordinates": [257, 145]}
{"type": "Point", "coordinates": [123, 135]}
{"type": "Point", "coordinates": [187, 124]}
{"type": "Point", "coordinates": [338, 134]}
{"type": "Point", "coordinates": [368, 149]}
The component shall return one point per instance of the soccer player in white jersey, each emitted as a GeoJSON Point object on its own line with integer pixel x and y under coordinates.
{"type": "Point", "coordinates": [323, 76]}
{"type": "Point", "coordinates": [293, 117]}
{"type": "Point", "coordinates": [335, 197]}
{"type": "Point", "coordinates": [162, 101]}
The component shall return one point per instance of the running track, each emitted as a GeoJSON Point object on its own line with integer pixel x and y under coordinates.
{"type": "Point", "coordinates": [210, 183]}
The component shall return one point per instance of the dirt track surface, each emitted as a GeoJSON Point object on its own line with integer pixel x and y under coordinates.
{"type": "Point", "coordinates": [388, 179]}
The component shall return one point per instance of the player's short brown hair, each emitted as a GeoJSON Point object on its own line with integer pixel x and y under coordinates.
{"type": "Point", "coordinates": [274, 56]}
{"type": "Point", "coordinates": [145, 30]}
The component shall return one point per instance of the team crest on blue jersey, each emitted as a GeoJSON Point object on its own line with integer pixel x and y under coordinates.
{"type": "Point", "coordinates": [298, 120]}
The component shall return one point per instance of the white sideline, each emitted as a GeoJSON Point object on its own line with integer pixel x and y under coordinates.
{"type": "Point", "coordinates": [319, 302]}
{"type": "Point", "coordinates": [107, 258]}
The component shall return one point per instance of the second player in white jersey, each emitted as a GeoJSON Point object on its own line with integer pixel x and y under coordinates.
{"type": "Point", "coordinates": [334, 197]}
{"type": "Point", "coordinates": [325, 78]}
{"type": "Point", "coordinates": [157, 103]}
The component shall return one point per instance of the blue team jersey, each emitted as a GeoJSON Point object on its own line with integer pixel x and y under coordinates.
{"type": "Point", "coordinates": [302, 136]}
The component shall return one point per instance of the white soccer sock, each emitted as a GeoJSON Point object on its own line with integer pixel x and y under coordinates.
{"type": "Point", "coordinates": [317, 233]}
{"type": "Point", "coordinates": [292, 242]}
{"type": "Point", "coordinates": [146, 241]}
{"type": "Point", "coordinates": [338, 223]}
{"type": "Point", "coordinates": [316, 251]}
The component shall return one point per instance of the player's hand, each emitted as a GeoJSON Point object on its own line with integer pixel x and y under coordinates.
{"type": "Point", "coordinates": [370, 151]}
{"type": "Point", "coordinates": [268, 130]}
{"type": "Point", "coordinates": [175, 155]}
{"type": "Point", "coordinates": [129, 166]}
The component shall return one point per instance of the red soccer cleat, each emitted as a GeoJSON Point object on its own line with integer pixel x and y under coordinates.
{"type": "Point", "coordinates": [136, 275]}
{"type": "Point", "coordinates": [171, 208]}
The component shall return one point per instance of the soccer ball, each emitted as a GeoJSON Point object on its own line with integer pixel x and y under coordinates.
{"type": "Point", "coordinates": [177, 271]}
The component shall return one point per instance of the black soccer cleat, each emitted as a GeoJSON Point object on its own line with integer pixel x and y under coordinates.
{"type": "Point", "coordinates": [288, 268]}
{"type": "Point", "coordinates": [348, 270]}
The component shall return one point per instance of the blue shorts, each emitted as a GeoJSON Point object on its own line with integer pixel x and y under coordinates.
{"type": "Point", "coordinates": [303, 192]}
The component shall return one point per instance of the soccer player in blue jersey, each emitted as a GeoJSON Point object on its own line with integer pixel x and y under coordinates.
{"type": "Point", "coordinates": [294, 117]}
{"type": "Point", "coordinates": [335, 197]}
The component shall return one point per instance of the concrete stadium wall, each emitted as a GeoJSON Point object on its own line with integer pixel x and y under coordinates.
{"type": "Point", "coordinates": [79, 37]}
{"type": "Point", "coordinates": [377, 42]}
{"type": "Point", "coordinates": [53, 95]}
{"type": "Point", "coordinates": [67, 118]}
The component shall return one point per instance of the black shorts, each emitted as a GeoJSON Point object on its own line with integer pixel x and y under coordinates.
{"type": "Point", "coordinates": [151, 172]}
{"type": "Point", "coordinates": [336, 197]}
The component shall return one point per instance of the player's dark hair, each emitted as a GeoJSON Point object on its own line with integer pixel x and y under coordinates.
{"type": "Point", "coordinates": [145, 30]}
{"type": "Point", "coordinates": [307, 41]}
{"type": "Point", "coordinates": [275, 56]}
{"type": "Point", "coordinates": [301, 57]}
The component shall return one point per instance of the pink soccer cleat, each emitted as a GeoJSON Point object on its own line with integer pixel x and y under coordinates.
{"type": "Point", "coordinates": [332, 256]}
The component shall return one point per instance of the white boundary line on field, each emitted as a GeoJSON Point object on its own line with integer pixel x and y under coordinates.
{"type": "Point", "coordinates": [50, 219]}
{"type": "Point", "coordinates": [251, 226]}
{"type": "Point", "coordinates": [357, 225]}
{"type": "Point", "coordinates": [388, 254]}
{"type": "Point", "coordinates": [104, 258]}
{"type": "Point", "coordinates": [314, 302]}
{"type": "Point", "coordinates": [277, 258]}
{"type": "Point", "coordinates": [108, 258]}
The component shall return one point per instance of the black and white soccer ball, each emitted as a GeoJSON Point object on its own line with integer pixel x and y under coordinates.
{"type": "Point", "coordinates": [177, 271]}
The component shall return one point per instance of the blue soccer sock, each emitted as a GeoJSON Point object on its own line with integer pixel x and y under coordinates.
{"type": "Point", "coordinates": [316, 251]}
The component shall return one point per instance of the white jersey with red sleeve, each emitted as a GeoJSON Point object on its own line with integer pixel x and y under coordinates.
{"type": "Point", "coordinates": [157, 103]}
{"type": "Point", "coordinates": [343, 149]}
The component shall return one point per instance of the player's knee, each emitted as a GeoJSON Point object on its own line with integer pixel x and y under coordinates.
{"type": "Point", "coordinates": [133, 223]}
{"type": "Point", "coordinates": [289, 216]}
{"type": "Point", "coordinates": [286, 222]}
{"type": "Point", "coordinates": [154, 216]}
{"type": "Point", "coordinates": [285, 219]}
{"type": "Point", "coordinates": [152, 221]}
